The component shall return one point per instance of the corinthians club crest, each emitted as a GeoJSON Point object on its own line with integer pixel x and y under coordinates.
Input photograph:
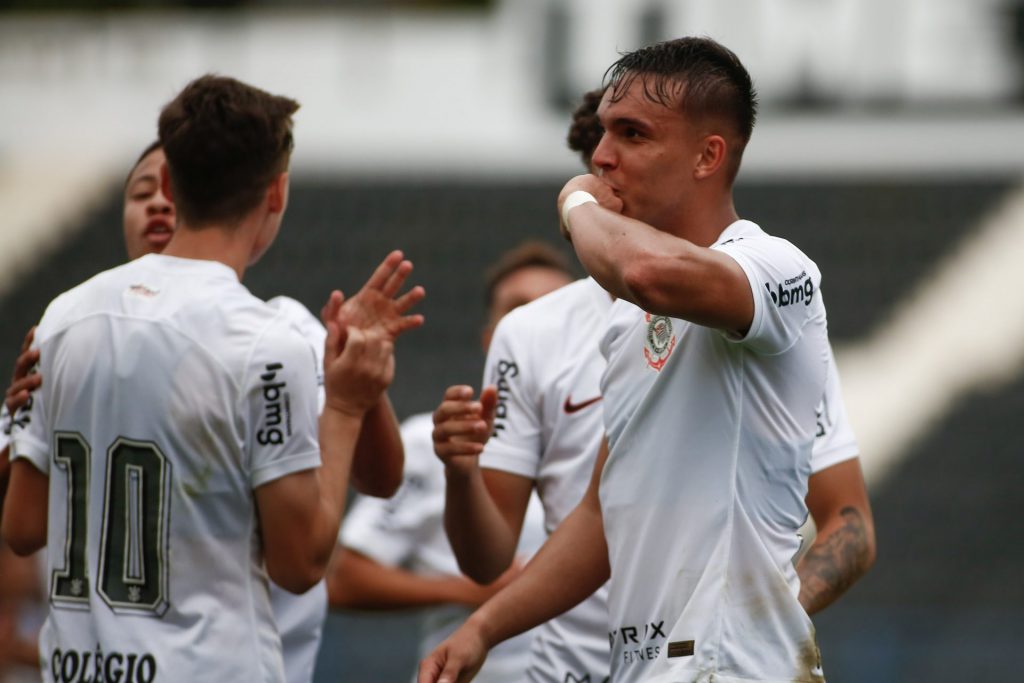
{"type": "Point", "coordinates": [658, 341]}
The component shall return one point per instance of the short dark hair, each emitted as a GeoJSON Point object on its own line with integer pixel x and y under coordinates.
{"type": "Point", "coordinates": [225, 142]}
{"type": "Point", "coordinates": [586, 130]}
{"type": "Point", "coordinates": [701, 76]}
{"type": "Point", "coordinates": [150, 148]}
{"type": "Point", "coordinates": [529, 254]}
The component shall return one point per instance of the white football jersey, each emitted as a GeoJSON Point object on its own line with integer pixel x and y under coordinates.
{"type": "Point", "coordinates": [545, 361]}
{"type": "Point", "coordinates": [171, 393]}
{"type": "Point", "coordinates": [407, 531]}
{"type": "Point", "coordinates": [300, 618]}
{"type": "Point", "coordinates": [703, 492]}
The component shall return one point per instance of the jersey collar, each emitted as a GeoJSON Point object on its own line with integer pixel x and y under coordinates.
{"type": "Point", "coordinates": [738, 230]}
{"type": "Point", "coordinates": [214, 269]}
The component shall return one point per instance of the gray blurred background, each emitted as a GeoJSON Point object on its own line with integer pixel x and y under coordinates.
{"type": "Point", "coordinates": [890, 148]}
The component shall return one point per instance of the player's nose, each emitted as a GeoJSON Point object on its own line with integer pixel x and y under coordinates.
{"type": "Point", "coordinates": [604, 154]}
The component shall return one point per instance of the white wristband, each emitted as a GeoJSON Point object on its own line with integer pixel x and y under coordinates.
{"type": "Point", "coordinates": [572, 201]}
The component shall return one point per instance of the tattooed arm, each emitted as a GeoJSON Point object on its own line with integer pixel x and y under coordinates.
{"type": "Point", "coordinates": [844, 548]}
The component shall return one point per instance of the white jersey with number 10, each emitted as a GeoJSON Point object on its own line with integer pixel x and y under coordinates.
{"type": "Point", "coordinates": [171, 393]}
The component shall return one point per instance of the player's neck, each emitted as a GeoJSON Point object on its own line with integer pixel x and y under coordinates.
{"type": "Point", "coordinates": [231, 246]}
{"type": "Point", "coordinates": [704, 223]}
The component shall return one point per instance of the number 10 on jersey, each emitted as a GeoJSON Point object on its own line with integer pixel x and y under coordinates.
{"type": "Point", "coordinates": [133, 539]}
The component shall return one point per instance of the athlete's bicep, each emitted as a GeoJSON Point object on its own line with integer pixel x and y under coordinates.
{"type": "Point", "coordinates": [839, 491]}
{"type": "Point", "coordinates": [285, 507]}
{"type": "Point", "coordinates": [592, 496]}
{"type": "Point", "coordinates": [682, 280]}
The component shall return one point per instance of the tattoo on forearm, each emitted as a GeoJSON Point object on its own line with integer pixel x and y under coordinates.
{"type": "Point", "coordinates": [832, 565]}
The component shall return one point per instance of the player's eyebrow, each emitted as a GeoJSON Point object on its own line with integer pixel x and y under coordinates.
{"type": "Point", "coordinates": [148, 177]}
{"type": "Point", "coordinates": [627, 122]}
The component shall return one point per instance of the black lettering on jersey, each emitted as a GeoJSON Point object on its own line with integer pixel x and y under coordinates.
{"type": "Point", "coordinates": [634, 649]}
{"type": "Point", "coordinates": [70, 666]}
{"type": "Point", "coordinates": [276, 408]}
{"type": "Point", "coordinates": [641, 654]}
{"type": "Point", "coordinates": [822, 417]}
{"type": "Point", "coordinates": [21, 418]}
{"type": "Point", "coordinates": [792, 292]}
{"type": "Point", "coordinates": [117, 672]}
{"type": "Point", "coordinates": [506, 370]}
{"type": "Point", "coordinates": [653, 630]}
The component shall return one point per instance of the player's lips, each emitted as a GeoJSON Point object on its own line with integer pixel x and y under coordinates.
{"type": "Point", "coordinates": [610, 186]}
{"type": "Point", "coordinates": [158, 231]}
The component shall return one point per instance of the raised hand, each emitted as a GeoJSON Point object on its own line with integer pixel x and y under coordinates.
{"type": "Point", "coordinates": [23, 381]}
{"type": "Point", "coordinates": [462, 425]}
{"type": "Point", "coordinates": [378, 304]}
{"type": "Point", "coordinates": [356, 375]}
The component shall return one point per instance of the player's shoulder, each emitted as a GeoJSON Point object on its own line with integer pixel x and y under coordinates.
{"type": "Point", "coordinates": [299, 316]}
{"type": "Point", "coordinates": [78, 300]}
{"type": "Point", "coordinates": [296, 312]}
{"type": "Point", "coordinates": [746, 236]}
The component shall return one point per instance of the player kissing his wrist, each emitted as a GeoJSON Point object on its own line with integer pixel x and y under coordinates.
{"type": "Point", "coordinates": [575, 198]}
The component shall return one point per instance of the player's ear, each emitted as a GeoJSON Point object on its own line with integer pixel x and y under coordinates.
{"type": "Point", "coordinates": [165, 182]}
{"type": "Point", "coordinates": [277, 193]}
{"type": "Point", "coordinates": [712, 157]}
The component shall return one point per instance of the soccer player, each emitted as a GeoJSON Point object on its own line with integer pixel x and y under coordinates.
{"type": "Point", "coordinates": [148, 224]}
{"type": "Point", "coordinates": [175, 434]}
{"type": "Point", "coordinates": [531, 438]}
{"type": "Point", "coordinates": [394, 552]}
{"type": "Point", "coordinates": [717, 357]}
{"type": "Point", "coordinates": [148, 228]}
{"type": "Point", "coordinates": [842, 550]}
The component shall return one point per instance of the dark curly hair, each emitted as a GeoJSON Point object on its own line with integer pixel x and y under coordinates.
{"type": "Point", "coordinates": [585, 131]}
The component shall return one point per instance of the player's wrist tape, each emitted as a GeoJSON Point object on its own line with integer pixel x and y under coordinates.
{"type": "Point", "coordinates": [572, 201]}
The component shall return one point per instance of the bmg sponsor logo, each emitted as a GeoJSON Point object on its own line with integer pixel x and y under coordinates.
{"type": "Point", "coordinates": [277, 413]}
{"type": "Point", "coordinates": [506, 371]}
{"type": "Point", "coordinates": [792, 291]}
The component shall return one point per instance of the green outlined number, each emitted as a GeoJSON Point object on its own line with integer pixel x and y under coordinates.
{"type": "Point", "coordinates": [70, 585]}
{"type": "Point", "coordinates": [133, 551]}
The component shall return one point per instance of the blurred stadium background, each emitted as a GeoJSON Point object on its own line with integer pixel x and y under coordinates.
{"type": "Point", "coordinates": [890, 148]}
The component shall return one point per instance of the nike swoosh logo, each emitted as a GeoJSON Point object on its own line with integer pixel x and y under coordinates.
{"type": "Point", "coordinates": [571, 407]}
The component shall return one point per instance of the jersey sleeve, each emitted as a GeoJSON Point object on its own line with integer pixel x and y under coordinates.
{"type": "Point", "coordinates": [834, 440]}
{"type": "Point", "coordinates": [280, 396]}
{"type": "Point", "coordinates": [784, 283]}
{"type": "Point", "coordinates": [516, 443]}
{"type": "Point", "coordinates": [390, 531]}
{"type": "Point", "coordinates": [312, 329]}
{"type": "Point", "coordinates": [29, 431]}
